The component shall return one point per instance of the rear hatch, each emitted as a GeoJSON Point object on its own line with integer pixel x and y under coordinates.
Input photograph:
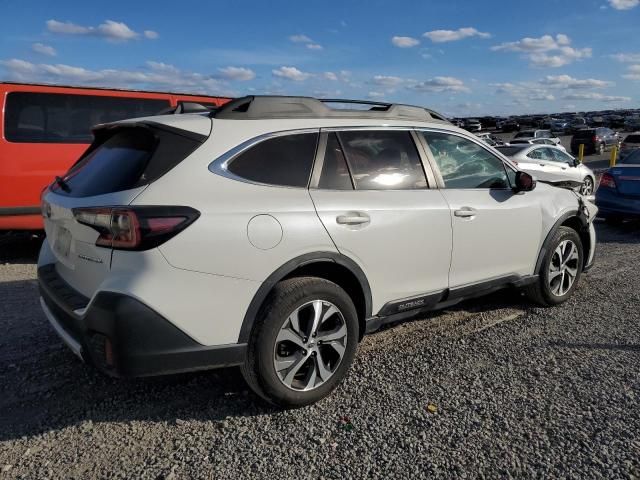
{"type": "Point", "coordinates": [583, 136]}
{"type": "Point", "coordinates": [122, 161]}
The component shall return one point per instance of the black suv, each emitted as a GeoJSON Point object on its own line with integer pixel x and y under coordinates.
{"type": "Point", "coordinates": [595, 140]}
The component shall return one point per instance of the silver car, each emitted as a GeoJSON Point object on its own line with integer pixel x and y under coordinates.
{"type": "Point", "coordinates": [551, 164]}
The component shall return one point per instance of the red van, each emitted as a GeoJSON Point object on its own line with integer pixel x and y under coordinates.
{"type": "Point", "coordinates": [44, 129]}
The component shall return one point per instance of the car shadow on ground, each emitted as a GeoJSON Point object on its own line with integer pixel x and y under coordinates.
{"type": "Point", "coordinates": [625, 232]}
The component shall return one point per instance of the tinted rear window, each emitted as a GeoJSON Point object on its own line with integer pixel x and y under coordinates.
{"type": "Point", "coordinates": [584, 134]}
{"type": "Point", "coordinates": [633, 158]}
{"type": "Point", "coordinates": [284, 160]}
{"type": "Point", "coordinates": [125, 158]}
{"type": "Point", "coordinates": [63, 118]}
{"type": "Point", "coordinates": [632, 139]}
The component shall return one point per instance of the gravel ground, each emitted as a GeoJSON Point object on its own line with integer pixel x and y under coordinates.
{"type": "Point", "coordinates": [495, 388]}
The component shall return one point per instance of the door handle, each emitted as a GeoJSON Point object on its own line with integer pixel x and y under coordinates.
{"type": "Point", "coordinates": [353, 218]}
{"type": "Point", "coordinates": [541, 164]}
{"type": "Point", "coordinates": [465, 212]}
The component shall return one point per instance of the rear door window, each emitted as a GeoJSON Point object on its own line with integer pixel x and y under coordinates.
{"type": "Point", "coordinates": [335, 172]}
{"type": "Point", "coordinates": [382, 160]}
{"type": "Point", "coordinates": [284, 160]}
{"type": "Point", "coordinates": [63, 118]}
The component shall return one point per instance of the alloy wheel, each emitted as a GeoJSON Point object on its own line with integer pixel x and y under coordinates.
{"type": "Point", "coordinates": [563, 268]}
{"type": "Point", "coordinates": [310, 345]}
{"type": "Point", "coordinates": [587, 186]}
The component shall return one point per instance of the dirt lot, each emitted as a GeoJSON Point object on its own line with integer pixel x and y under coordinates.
{"type": "Point", "coordinates": [495, 388]}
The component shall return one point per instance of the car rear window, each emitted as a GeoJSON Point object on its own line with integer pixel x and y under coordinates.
{"type": "Point", "coordinates": [584, 134]}
{"type": "Point", "coordinates": [283, 161]}
{"type": "Point", "coordinates": [633, 159]}
{"type": "Point", "coordinates": [524, 134]}
{"type": "Point", "coordinates": [632, 139]}
{"type": "Point", "coordinates": [125, 158]}
{"type": "Point", "coordinates": [62, 118]}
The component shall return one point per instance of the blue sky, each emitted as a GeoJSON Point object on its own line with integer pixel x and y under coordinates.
{"type": "Point", "coordinates": [459, 57]}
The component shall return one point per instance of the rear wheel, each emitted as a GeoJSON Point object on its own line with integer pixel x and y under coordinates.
{"type": "Point", "coordinates": [560, 270]}
{"type": "Point", "coordinates": [303, 342]}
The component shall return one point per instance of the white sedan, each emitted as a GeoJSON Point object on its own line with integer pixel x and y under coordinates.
{"type": "Point", "coordinates": [551, 164]}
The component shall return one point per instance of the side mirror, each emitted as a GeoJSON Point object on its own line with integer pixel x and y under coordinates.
{"type": "Point", "coordinates": [524, 182]}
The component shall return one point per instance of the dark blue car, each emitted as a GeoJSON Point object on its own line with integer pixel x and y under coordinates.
{"type": "Point", "coordinates": [618, 196]}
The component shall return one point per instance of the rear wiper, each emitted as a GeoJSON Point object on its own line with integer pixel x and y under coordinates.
{"type": "Point", "coordinates": [62, 184]}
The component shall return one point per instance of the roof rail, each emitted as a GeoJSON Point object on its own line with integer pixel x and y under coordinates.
{"type": "Point", "coordinates": [257, 107]}
{"type": "Point", "coordinates": [187, 107]}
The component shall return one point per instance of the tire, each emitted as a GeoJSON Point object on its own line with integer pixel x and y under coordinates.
{"type": "Point", "coordinates": [275, 341]}
{"type": "Point", "coordinates": [545, 292]}
{"type": "Point", "coordinates": [587, 187]}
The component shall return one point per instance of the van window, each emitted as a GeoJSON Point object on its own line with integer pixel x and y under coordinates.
{"type": "Point", "coordinates": [383, 160]}
{"type": "Point", "coordinates": [284, 160]}
{"type": "Point", "coordinates": [62, 118]}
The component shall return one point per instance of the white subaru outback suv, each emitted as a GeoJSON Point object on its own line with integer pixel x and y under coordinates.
{"type": "Point", "coordinates": [274, 233]}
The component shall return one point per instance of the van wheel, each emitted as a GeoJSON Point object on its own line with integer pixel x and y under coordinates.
{"type": "Point", "coordinates": [560, 270]}
{"type": "Point", "coordinates": [303, 342]}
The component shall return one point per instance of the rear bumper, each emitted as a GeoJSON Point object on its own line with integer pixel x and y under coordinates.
{"type": "Point", "coordinates": [124, 337]}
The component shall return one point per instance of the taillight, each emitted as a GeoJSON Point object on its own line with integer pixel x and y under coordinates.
{"type": "Point", "coordinates": [135, 228]}
{"type": "Point", "coordinates": [623, 146]}
{"type": "Point", "coordinates": [595, 139]}
{"type": "Point", "coordinates": [607, 180]}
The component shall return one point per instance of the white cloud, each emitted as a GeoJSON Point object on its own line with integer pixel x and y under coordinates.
{"type": "Point", "coordinates": [522, 93]}
{"type": "Point", "coordinates": [330, 76]}
{"type": "Point", "coordinates": [154, 75]}
{"type": "Point", "coordinates": [68, 28]}
{"type": "Point", "coordinates": [405, 42]}
{"type": "Point", "coordinates": [374, 94]}
{"type": "Point", "coordinates": [237, 73]}
{"type": "Point", "coordinates": [626, 57]}
{"type": "Point", "coordinates": [546, 51]}
{"type": "Point", "coordinates": [387, 80]}
{"type": "Point", "coordinates": [566, 81]}
{"type": "Point", "coordinates": [111, 30]}
{"type": "Point", "coordinates": [624, 4]}
{"type": "Point", "coordinates": [596, 96]}
{"type": "Point", "coordinates": [300, 39]}
{"type": "Point", "coordinates": [314, 46]}
{"type": "Point", "coordinates": [43, 49]}
{"type": "Point", "coordinates": [290, 73]}
{"type": "Point", "coordinates": [634, 73]}
{"type": "Point", "coordinates": [441, 36]}
{"type": "Point", "coordinates": [441, 84]}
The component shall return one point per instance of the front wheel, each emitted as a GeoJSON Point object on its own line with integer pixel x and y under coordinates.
{"type": "Point", "coordinates": [303, 342]}
{"type": "Point", "coordinates": [587, 186]}
{"type": "Point", "coordinates": [560, 270]}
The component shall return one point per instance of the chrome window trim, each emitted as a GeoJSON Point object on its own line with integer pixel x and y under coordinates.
{"type": "Point", "coordinates": [220, 166]}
